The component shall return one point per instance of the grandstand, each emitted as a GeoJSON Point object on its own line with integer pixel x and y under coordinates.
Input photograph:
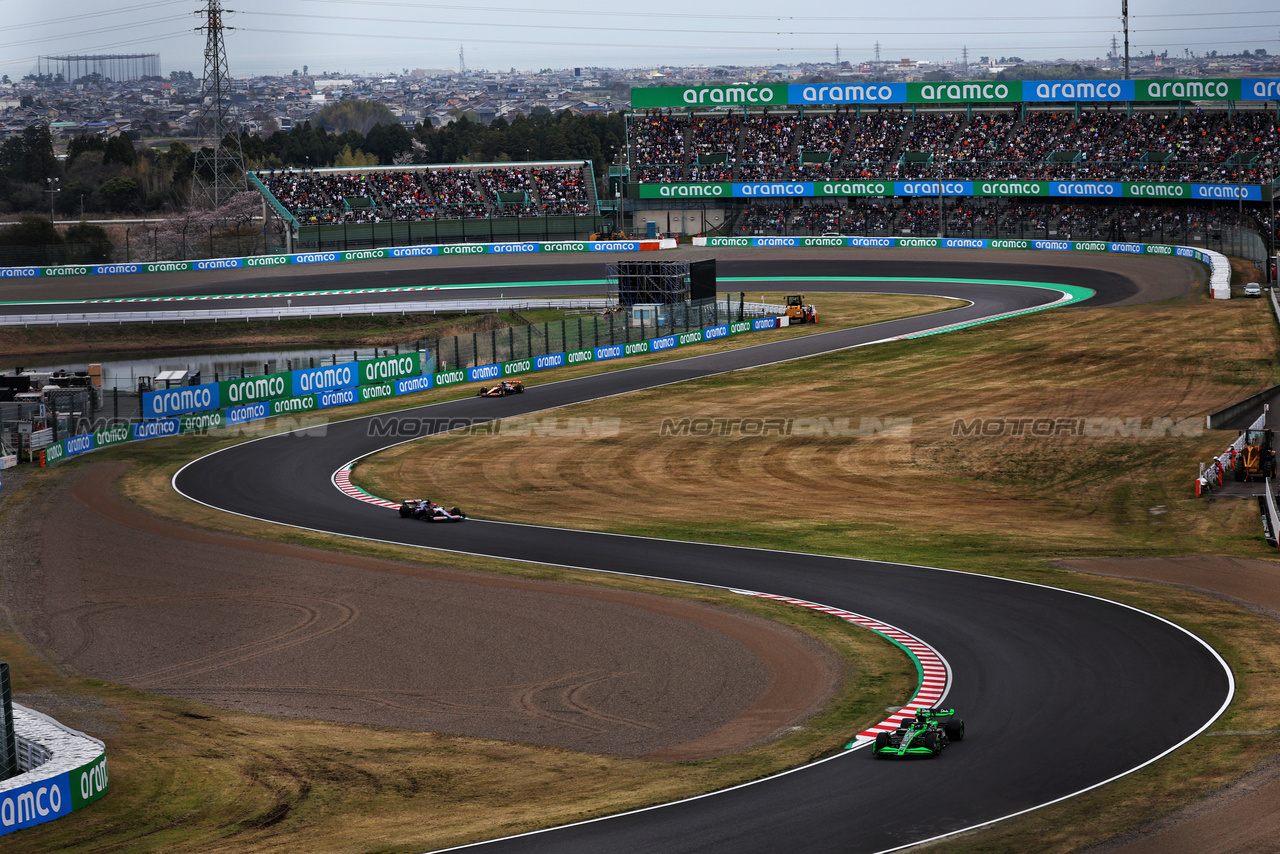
{"type": "Point", "coordinates": [1118, 170]}
{"type": "Point", "coordinates": [1132, 160]}
{"type": "Point", "coordinates": [355, 208]}
{"type": "Point", "coordinates": [1147, 144]}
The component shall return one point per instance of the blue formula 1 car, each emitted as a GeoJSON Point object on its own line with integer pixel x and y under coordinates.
{"type": "Point", "coordinates": [926, 734]}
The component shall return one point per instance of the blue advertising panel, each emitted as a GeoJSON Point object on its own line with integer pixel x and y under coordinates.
{"type": "Point", "coordinates": [412, 384]}
{"type": "Point", "coordinates": [315, 380]}
{"type": "Point", "coordinates": [1227, 191]}
{"type": "Point", "coordinates": [847, 93]}
{"type": "Point", "coordinates": [513, 248]}
{"type": "Point", "coordinates": [484, 372]}
{"type": "Point", "coordinates": [412, 251]}
{"type": "Point", "coordinates": [1090, 189]}
{"type": "Point", "coordinates": [341, 397]}
{"type": "Point", "coordinates": [773, 189]}
{"type": "Point", "coordinates": [156, 429]}
{"type": "Point", "coordinates": [613, 351]}
{"type": "Point", "coordinates": [1077, 90]}
{"type": "Point", "coordinates": [181, 400]}
{"type": "Point", "coordinates": [248, 412]}
{"type": "Point", "coordinates": [35, 803]}
{"type": "Point", "coordinates": [933, 188]}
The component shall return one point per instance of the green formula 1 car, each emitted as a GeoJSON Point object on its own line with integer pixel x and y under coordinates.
{"type": "Point", "coordinates": [925, 734]}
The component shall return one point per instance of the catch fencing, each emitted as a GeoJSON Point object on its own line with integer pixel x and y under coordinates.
{"type": "Point", "coordinates": [586, 330]}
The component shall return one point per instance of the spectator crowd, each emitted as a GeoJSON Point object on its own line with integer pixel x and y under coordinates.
{"type": "Point", "coordinates": [1102, 144]}
{"type": "Point", "coordinates": [998, 218]}
{"type": "Point", "coordinates": [391, 195]}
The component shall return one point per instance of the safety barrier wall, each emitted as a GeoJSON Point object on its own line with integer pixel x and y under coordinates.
{"type": "Point", "coordinates": [956, 92]}
{"type": "Point", "coordinates": [256, 261]}
{"type": "Point", "coordinates": [1216, 420]}
{"type": "Point", "coordinates": [1216, 261]}
{"type": "Point", "coordinates": [1114, 190]}
{"type": "Point", "coordinates": [207, 413]}
{"type": "Point", "coordinates": [73, 773]}
{"type": "Point", "coordinates": [343, 384]}
{"type": "Point", "coordinates": [243, 311]}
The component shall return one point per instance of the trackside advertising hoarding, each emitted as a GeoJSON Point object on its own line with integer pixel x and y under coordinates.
{"type": "Point", "coordinates": [53, 797]}
{"type": "Point", "coordinates": [340, 396]}
{"type": "Point", "coordinates": [181, 400]}
{"type": "Point", "coordinates": [251, 389]}
{"type": "Point", "coordinates": [518, 247]}
{"type": "Point", "coordinates": [389, 368]}
{"type": "Point", "coordinates": [958, 92]}
{"type": "Point", "coordinates": [326, 378]}
{"type": "Point", "coordinates": [1045, 189]}
{"type": "Point", "coordinates": [238, 391]}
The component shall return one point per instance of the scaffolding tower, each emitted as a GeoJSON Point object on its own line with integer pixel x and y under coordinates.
{"type": "Point", "coordinates": [219, 159]}
{"type": "Point", "coordinates": [644, 282]}
{"type": "Point", "coordinates": [116, 67]}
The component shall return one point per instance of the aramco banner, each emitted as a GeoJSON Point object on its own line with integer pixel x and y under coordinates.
{"type": "Point", "coordinates": [957, 92]}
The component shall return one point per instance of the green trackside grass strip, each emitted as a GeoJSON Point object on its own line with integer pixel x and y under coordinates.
{"type": "Point", "coordinates": [1072, 294]}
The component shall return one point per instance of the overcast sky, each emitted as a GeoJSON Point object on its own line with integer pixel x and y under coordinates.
{"type": "Point", "coordinates": [374, 36]}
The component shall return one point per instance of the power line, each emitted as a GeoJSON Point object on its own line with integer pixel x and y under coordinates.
{"type": "Point", "coordinates": [719, 30]}
{"type": "Point", "coordinates": [577, 45]}
{"type": "Point", "coordinates": [740, 17]}
{"type": "Point", "coordinates": [92, 32]}
{"type": "Point", "coordinates": [116, 11]}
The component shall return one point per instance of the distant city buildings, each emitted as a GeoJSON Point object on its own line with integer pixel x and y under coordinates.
{"type": "Point", "coordinates": [157, 108]}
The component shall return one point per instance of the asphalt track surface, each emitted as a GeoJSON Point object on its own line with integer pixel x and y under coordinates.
{"type": "Point", "coordinates": [510, 281]}
{"type": "Point", "coordinates": [1060, 692]}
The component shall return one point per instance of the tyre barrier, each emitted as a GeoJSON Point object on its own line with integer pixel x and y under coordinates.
{"type": "Point", "coordinates": [62, 771]}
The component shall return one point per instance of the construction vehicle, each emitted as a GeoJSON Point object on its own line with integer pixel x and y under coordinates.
{"type": "Point", "coordinates": [609, 235]}
{"type": "Point", "coordinates": [1258, 456]}
{"type": "Point", "coordinates": [798, 312]}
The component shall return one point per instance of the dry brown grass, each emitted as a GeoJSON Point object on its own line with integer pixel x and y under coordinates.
{"type": "Point", "coordinates": [187, 777]}
{"type": "Point", "coordinates": [1002, 504]}
{"type": "Point", "coordinates": [1165, 361]}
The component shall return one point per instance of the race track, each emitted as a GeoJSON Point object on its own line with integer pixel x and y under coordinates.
{"type": "Point", "coordinates": [1060, 692]}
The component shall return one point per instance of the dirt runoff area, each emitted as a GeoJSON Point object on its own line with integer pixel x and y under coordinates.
{"type": "Point", "coordinates": [1245, 817]}
{"type": "Point", "coordinates": [298, 632]}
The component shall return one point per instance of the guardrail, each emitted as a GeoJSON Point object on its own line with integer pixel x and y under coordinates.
{"type": "Point", "coordinates": [213, 315]}
{"type": "Point", "coordinates": [253, 261]}
{"type": "Point", "coordinates": [1270, 515]}
{"type": "Point", "coordinates": [63, 770]}
{"type": "Point", "coordinates": [197, 315]}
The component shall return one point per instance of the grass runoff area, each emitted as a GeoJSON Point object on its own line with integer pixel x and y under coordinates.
{"type": "Point", "coordinates": [1125, 391]}
{"type": "Point", "coordinates": [191, 777]}
{"type": "Point", "coordinates": [1062, 435]}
